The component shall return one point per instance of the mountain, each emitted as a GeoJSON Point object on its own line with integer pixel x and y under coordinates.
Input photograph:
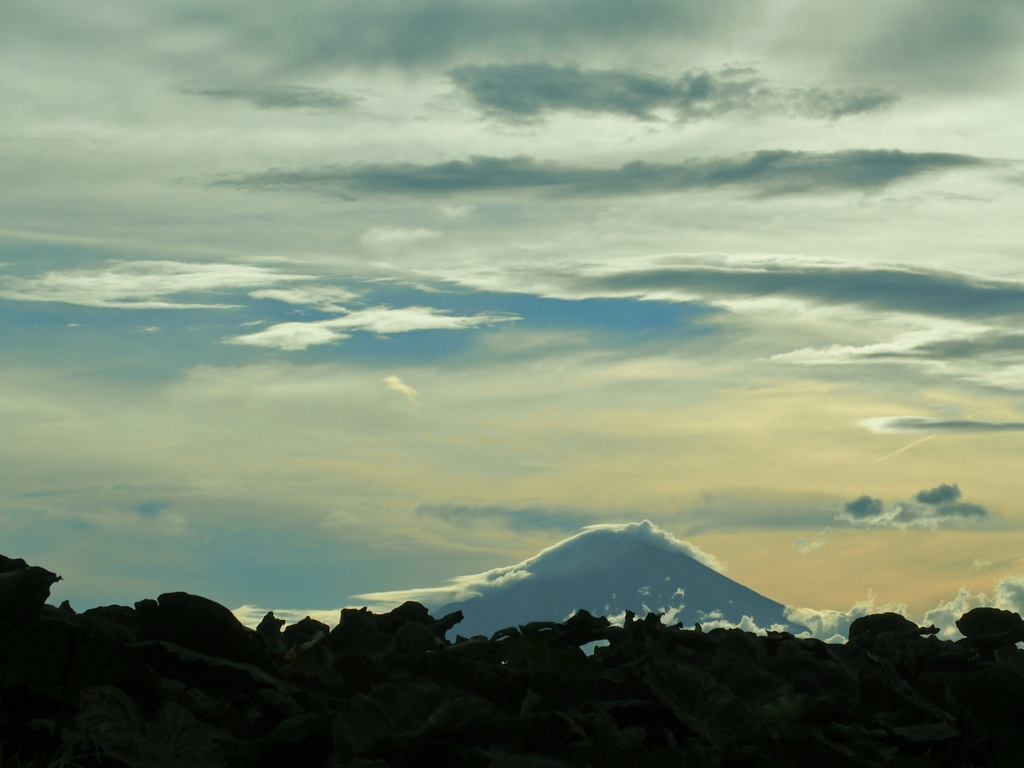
{"type": "Point", "coordinates": [607, 570]}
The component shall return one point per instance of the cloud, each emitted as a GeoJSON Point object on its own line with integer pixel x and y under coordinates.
{"type": "Point", "coordinates": [280, 97]}
{"type": "Point", "coordinates": [898, 349]}
{"type": "Point", "coordinates": [902, 288]}
{"type": "Point", "coordinates": [385, 320]}
{"type": "Point", "coordinates": [949, 343]}
{"type": "Point", "coordinates": [942, 42]}
{"type": "Point", "coordinates": [290, 337]}
{"type": "Point", "coordinates": [924, 307]}
{"type": "Point", "coordinates": [380, 320]}
{"type": "Point", "coordinates": [939, 495]}
{"type": "Point", "coordinates": [925, 425]}
{"type": "Point", "coordinates": [985, 343]}
{"type": "Point", "coordinates": [823, 539]}
{"type": "Point", "coordinates": [140, 284]}
{"type": "Point", "coordinates": [714, 620]}
{"type": "Point", "coordinates": [1009, 596]}
{"type": "Point", "coordinates": [769, 172]}
{"type": "Point", "coordinates": [834, 626]}
{"type": "Point", "coordinates": [396, 384]}
{"type": "Point", "coordinates": [932, 508]}
{"type": "Point", "coordinates": [515, 518]}
{"type": "Point", "coordinates": [718, 512]}
{"type": "Point", "coordinates": [389, 236]}
{"type": "Point", "coordinates": [251, 615]}
{"type": "Point", "coordinates": [323, 297]}
{"type": "Point", "coordinates": [863, 507]}
{"type": "Point", "coordinates": [518, 91]}
{"type": "Point", "coordinates": [658, 537]}
{"type": "Point", "coordinates": [455, 211]}
{"type": "Point", "coordinates": [152, 508]}
{"type": "Point", "coordinates": [316, 36]}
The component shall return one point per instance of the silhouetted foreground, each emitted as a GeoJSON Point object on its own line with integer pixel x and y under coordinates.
{"type": "Point", "coordinates": [178, 682]}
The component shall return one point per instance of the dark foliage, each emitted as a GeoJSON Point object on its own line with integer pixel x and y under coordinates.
{"type": "Point", "coordinates": [178, 682]}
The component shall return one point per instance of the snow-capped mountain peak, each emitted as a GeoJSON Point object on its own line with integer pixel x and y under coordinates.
{"type": "Point", "coordinates": [607, 570]}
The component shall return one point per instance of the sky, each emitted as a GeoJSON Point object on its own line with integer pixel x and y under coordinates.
{"type": "Point", "coordinates": [310, 300]}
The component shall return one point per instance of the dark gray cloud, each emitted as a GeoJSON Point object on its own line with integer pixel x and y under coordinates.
{"type": "Point", "coordinates": [527, 518]}
{"type": "Point", "coordinates": [152, 507]}
{"type": "Point", "coordinates": [280, 97]}
{"type": "Point", "coordinates": [771, 172]}
{"type": "Point", "coordinates": [948, 42]}
{"type": "Point", "coordinates": [890, 289]}
{"type": "Point", "coordinates": [941, 494]}
{"type": "Point", "coordinates": [520, 91]}
{"type": "Point", "coordinates": [863, 507]}
{"type": "Point", "coordinates": [938, 507]}
{"type": "Point", "coordinates": [924, 425]}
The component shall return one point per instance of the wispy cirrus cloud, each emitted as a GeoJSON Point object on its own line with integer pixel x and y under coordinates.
{"type": "Point", "coordinates": [899, 288]}
{"type": "Point", "coordinates": [323, 297]}
{"type": "Point", "coordinates": [524, 91]}
{"type": "Point", "coordinates": [1008, 344]}
{"type": "Point", "coordinates": [960, 299]}
{"type": "Point", "coordinates": [524, 517]}
{"type": "Point", "coordinates": [379, 237]}
{"type": "Point", "coordinates": [141, 284]}
{"type": "Point", "coordinates": [932, 426]}
{"type": "Point", "coordinates": [380, 320]}
{"type": "Point", "coordinates": [395, 384]}
{"type": "Point", "coordinates": [279, 96]}
{"type": "Point", "coordinates": [767, 172]}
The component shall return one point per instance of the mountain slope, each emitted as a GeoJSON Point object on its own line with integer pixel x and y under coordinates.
{"type": "Point", "coordinates": [608, 570]}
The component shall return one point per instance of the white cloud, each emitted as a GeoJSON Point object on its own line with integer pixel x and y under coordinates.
{"type": "Point", "coordinates": [455, 211]}
{"type": "Point", "coordinates": [902, 346]}
{"type": "Point", "coordinates": [396, 384]}
{"type": "Point", "coordinates": [290, 337]}
{"type": "Point", "coordinates": [140, 284]}
{"type": "Point", "coordinates": [834, 626]}
{"type": "Point", "coordinates": [388, 236]}
{"type": "Point", "coordinates": [385, 320]}
{"type": "Point", "coordinates": [1009, 596]}
{"type": "Point", "coordinates": [380, 320]}
{"type": "Point", "coordinates": [999, 376]}
{"type": "Point", "coordinates": [714, 620]}
{"type": "Point", "coordinates": [823, 539]}
{"type": "Point", "coordinates": [657, 537]}
{"type": "Point", "coordinates": [252, 615]}
{"type": "Point", "coordinates": [457, 589]}
{"type": "Point", "coordinates": [323, 297]}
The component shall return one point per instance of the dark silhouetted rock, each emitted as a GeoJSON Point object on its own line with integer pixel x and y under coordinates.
{"type": "Point", "coordinates": [304, 631]}
{"type": "Point", "coordinates": [876, 624]}
{"type": "Point", "coordinates": [991, 623]}
{"type": "Point", "coordinates": [23, 587]}
{"type": "Point", "coordinates": [198, 623]}
{"type": "Point", "coordinates": [270, 630]}
{"type": "Point", "coordinates": [177, 682]}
